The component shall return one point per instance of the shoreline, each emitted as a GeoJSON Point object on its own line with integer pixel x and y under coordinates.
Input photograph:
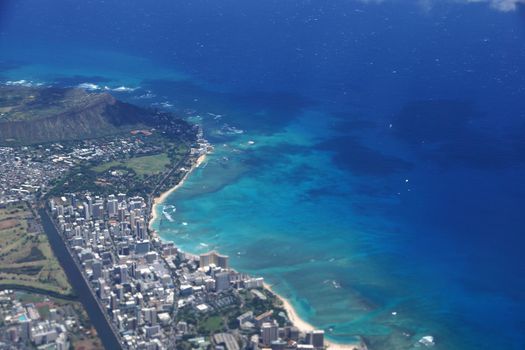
{"type": "Point", "coordinates": [294, 318]}
{"type": "Point", "coordinates": [304, 326]}
{"type": "Point", "coordinates": [160, 199]}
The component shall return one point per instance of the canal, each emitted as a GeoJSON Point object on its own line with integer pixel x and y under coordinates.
{"type": "Point", "coordinates": [80, 285]}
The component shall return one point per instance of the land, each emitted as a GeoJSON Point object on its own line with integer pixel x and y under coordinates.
{"type": "Point", "coordinates": [142, 166]}
{"type": "Point", "coordinates": [33, 115]}
{"type": "Point", "coordinates": [34, 287]}
{"type": "Point", "coordinates": [99, 166]}
{"type": "Point", "coordinates": [159, 296]}
{"type": "Point", "coordinates": [60, 141]}
{"type": "Point", "coordinates": [63, 321]}
{"type": "Point", "coordinates": [26, 258]}
{"type": "Point", "coordinates": [135, 165]}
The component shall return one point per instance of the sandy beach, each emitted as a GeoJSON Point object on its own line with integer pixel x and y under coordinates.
{"type": "Point", "coordinates": [301, 324]}
{"type": "Point", "coordinates": [160, 199]}
{"type": "Point", "coordinates": [304, 326]}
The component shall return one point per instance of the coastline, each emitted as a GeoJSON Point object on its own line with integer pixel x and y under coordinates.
{"type": "Point", "coordinates": [304, 326]}
{"type": "Point", "coordinates": [160, 199]}
{"type": "Point", "coordinates": [294, 318]}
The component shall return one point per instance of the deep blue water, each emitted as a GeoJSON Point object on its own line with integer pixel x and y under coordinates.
{"type": "Point", "coordinates": [388, 164]}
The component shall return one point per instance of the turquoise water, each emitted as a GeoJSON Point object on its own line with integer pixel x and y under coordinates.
{"type": "Point", "coordinates": [279, 208]}
{"type": "Point", "coordinates": [387, 164]}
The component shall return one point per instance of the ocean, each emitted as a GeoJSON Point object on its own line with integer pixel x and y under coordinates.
{"type": "Point", "coordinates": [369, 155]}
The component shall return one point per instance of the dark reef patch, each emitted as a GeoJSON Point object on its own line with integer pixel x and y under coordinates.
{"type": "Point", "coordinates": [428, 122]}
{"type": "Point", "coordinates": [447, 133]}
{"type": "Point", "coordinates": [272, 157]}
{"type": "Point", "coordinates": [475, 150]}
{"type": "Point", "coordinates": [351, 155]}
{"type": "Point", "coordinates": [373, 190]}
{"type": "Point", "coordinates": [345, 123]}
{"type": "Point", "coordinates": [324, 191]}
{"type": "Point", "coordinates": [283, 147]}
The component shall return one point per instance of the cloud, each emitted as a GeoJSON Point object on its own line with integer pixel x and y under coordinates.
{"type": "Point", "coordinates": [500, 5]}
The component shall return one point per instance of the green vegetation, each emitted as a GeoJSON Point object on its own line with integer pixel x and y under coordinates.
{"type": "Point", "coordinates": [249, 302]}
{"type": "Point", "coordinates": [222, 319]}
{"type": "Point", "coordinates": [145, 165]}
{"type": "Point", "coordinates": [30, 115]}
{"type": "Point", "coordinates": [212, 324]}
{"type": "Point", "coordinates": [133, 174]}
{"type": "Point", "coordinates": [26, 258]}
{"type": "Point", "coordinates": [83, 335]}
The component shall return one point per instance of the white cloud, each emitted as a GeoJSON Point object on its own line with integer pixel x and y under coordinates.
{"type": "Point", "coordinates": [501, 5]}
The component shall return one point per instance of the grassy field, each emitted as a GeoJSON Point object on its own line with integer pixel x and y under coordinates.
{"type": "Point", "coordinates": [213, 324]}
{"type": "Point", "coordinates": [145, 165]}
{"type": "Point", "coordinates": [26, 257]}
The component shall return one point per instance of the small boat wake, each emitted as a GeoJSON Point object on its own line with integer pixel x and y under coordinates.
{"type": "Point", "coordinates": [333, 283]}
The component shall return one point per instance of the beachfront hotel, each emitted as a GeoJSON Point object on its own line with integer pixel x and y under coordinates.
{"type": "Point", "coordinates": [213, 258]}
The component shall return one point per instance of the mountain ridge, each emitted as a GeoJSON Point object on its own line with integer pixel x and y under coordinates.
{"type": "Point", "coordinates": [30, 115]}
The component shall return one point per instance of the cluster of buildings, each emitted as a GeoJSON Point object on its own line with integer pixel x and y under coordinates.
{"type": "Point", "coordinates": [153, 295]}
{"type": "Point", "coordinates": [147, 287]}
{"type": "Point", "coordinates": [24, 327]}
{"type": "Point", "coordinates": [133, 284]}
{"type": "Point", "coordinates": [102, 149]}
{"type": "Point", "coordinates": [271, 336]}
{"type": "Point", "coordinates": [27, 171]}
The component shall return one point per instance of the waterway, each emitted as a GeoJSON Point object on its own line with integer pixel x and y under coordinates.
{"type": "Point", "coordinates": [79, 284]}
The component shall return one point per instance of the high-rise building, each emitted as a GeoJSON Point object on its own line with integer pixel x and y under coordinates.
{"type": "Point", "coordinates": [25, 331]}
{"type": "Point", "coordinates": [278, 344]}
{"type": "Point", "coordinates": [112, 207]}
{"type": "Point", "coordinates": [121, 197]}
{"type": "Point", "coordinates": [213, 258]}
{"type": "Point", "coordinates": [222, 281]}
{"type": "Point", "coordinates": [98, 210]}
{"type": "Point", "coordinates": [315, 338]}
{"type": "Point", "coordinates": [123, 272]}
{"type": "Point", "coordinates": [87, 213]}
{"type": "Point", "coordinates": [150, 315]}
{"type": "Point", "coordinates": [269, 333]}
{"type": "Point", "coordinates": [90, 204]}
{"type": "Point", "coordinates": [291, 333]}
{"type": "Point", "coordinates": [140, 228]}
{"type": "Point", "coordinates": [97, 268]}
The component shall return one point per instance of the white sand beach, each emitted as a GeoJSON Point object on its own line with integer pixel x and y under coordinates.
{"type": "Point", "coordinates": [304, 326]}
{"type": "Point", "coordinates": [160, 199]}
